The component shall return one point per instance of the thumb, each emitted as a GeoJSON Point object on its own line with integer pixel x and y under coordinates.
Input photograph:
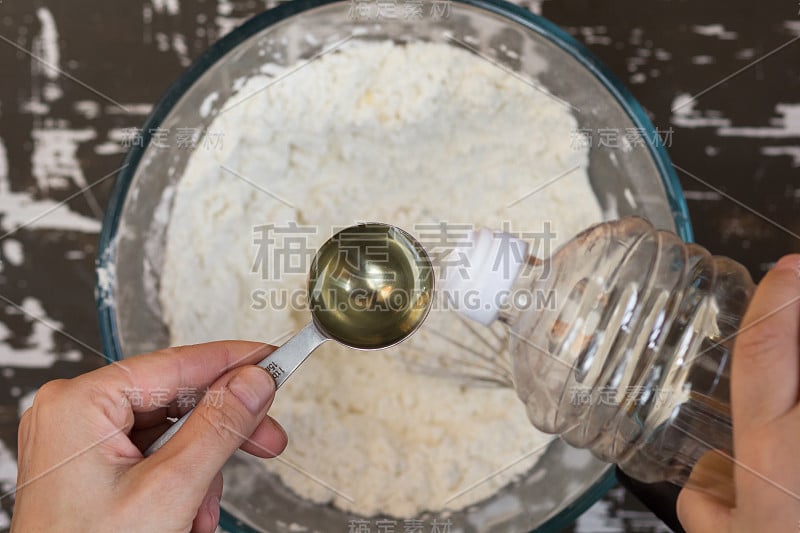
{"type": "Point", "coordinates": [221, 422]}
{"type": "Point", "coordinates": [698, 512]}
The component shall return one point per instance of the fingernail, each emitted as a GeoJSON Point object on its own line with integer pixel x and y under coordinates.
{"type": "Point", "coordinates": [213, 509]}
{"type": "Point", "coordinates": [253, 386]}
{"type": "Point", "coordinates": [278, 427]}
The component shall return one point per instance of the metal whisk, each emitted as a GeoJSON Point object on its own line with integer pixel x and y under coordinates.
{"type": "Point", "coordinates": [481, 358]}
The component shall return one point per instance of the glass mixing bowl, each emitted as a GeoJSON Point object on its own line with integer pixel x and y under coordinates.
{"type": "Point", "coordinates": [628, 179]}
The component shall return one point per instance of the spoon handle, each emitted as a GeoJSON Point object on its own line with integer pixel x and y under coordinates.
{"type": "Point", "coordinates": [284, 361]}
{"type": "Point", "coordinates": [280, 364]}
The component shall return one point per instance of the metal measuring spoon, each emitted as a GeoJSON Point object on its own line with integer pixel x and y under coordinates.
{"type": "Point", "coordinates": [370, 286]}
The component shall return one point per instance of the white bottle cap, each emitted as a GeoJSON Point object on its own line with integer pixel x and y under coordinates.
{"type": "Point", "coordinates": [476, 278]}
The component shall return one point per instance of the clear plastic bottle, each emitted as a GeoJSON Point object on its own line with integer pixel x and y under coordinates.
{"type": "Point", "coordinates": [620, 343]}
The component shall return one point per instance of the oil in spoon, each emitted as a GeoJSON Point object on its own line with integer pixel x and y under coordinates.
{"type": "Point", "coordinates": [373, 287]}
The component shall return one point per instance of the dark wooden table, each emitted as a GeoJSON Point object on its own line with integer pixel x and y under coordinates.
{"type": "Point", "coordinates": [62, 134]}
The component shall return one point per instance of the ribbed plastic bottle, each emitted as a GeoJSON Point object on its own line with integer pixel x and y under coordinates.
{"type": "Point", "coordinates": [620, 343]}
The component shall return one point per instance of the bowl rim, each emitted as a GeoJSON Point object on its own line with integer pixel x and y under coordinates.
{"type": "Point", "coordinates": [259, 22]}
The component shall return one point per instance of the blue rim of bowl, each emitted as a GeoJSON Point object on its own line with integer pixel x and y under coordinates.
{"type": "Point", "coordinates": [523, 17]}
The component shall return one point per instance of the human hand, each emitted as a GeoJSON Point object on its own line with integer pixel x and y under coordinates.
{"type": "Point", "coordinates": [81, 466]}
{"type": "Point", "coordinates": [765, 372]}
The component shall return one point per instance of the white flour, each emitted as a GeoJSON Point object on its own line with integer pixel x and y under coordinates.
{"type": "Point", "coordinates": [376, 132]}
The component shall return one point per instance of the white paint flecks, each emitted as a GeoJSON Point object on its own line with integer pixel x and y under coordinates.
{"type": "Point", "coordinates": [162, 41]}
{"type": "Point", "coordinates": [48, 44]}
{"type": "Point", "coordinates": [787, 124]}
{"type": "Point", "coordinates": [175, 41]}
{"type": "Point", "coordinates": [715, 30]}
{"type": "Point", "coordinates": [147, 21]}
{"type": "Point", "coordinates": [35, 107]}
{"type": "Point", "coordinates": [686, 115]}
{"type": "Point", "coordinates": [181, 49]}
{"type": "Point", "coordinates": [224, 7]}
{"type": "Point", "coordinates": [8, 470]}
{"type": "Point", "coordinates": [129, 109]}
{"type": "Point", "coordinates": [793, 26]}
{"type": "Point", "coordinates": [634, 63]}
{"type": "Point", "coordinates": [87, 108]}
{"type": "Point", "coordinates": [25, 401]}
{"type": "Point", "coordinates": [702, 60]}
{"type": "Point", "coordinates": [170, 7]}
{"type": "Point", "coordinates": [224, 21]}
{"type": "Point", "coordinates": [791, 151]}
{"type": "Point", "coordinates": [45, 72]}
{"type": "Point", "coordinates": [55, 155]}
{"type": "Point", "coordinates": [12, 251]}
{"type": "Point", "coordinates": [109, 148]}
{"type": "Point", "coordinates": [638, 78]}
{"type": "Point", "coordinates": [662, 55]}
{"type": "Point", "coordinates": [21, 209]}
{"type": "Point", "coordinates": [40, 349]}
{"type": "Point", "coordinates": [51, 92]}
{"type": "Point", "coordinates": [783, 126]}
{"type": "Point", "coordinates": [4, 188]}
{"type": "Point", "coordinates": [701, 195]}
{"type": "Point", "coordinates": [635, 37]}
{"type": "Point", "coordinates": [73, 356]}
{"type": "Point", "coordinates": [595, 35]}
